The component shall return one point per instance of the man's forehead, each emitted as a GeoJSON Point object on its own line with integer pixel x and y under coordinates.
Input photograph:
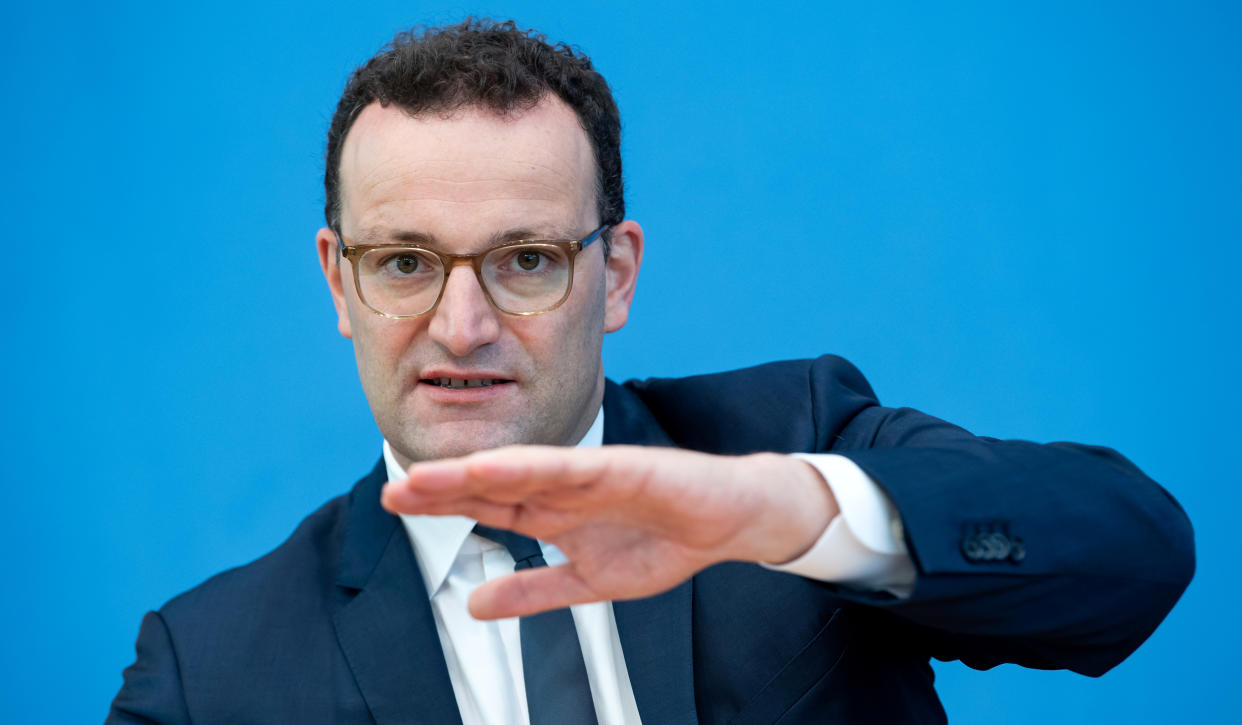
{"type": "Point", "coordinates": [472, 155]}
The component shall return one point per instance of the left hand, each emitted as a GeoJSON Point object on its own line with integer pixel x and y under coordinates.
{"type": "Point", "coordinates": [632, 521]}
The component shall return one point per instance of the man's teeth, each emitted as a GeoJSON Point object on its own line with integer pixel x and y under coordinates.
{"type": "Point", "coordinates": [460, 383]}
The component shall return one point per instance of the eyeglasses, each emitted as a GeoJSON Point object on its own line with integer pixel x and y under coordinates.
{"type": "Point", "coordinates": [524, 277]}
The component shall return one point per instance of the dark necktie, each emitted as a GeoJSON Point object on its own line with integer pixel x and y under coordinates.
{"type": "Point", "coordinates": [557, 690]}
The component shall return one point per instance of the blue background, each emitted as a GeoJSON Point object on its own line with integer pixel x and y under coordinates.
{"type": "Point", "coordinates": [1024, 219]}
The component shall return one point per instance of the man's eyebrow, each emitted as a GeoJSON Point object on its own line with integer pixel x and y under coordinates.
{"type": "Point", "coordinates": [401, 235]}
{"type": "Point", "coordinates": [545, 232]}
{"type": "Point", "coordinates": [380, 236]}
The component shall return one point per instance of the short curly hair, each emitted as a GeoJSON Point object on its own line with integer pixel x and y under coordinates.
{"type": "Point", "coordinates": [497, 66]}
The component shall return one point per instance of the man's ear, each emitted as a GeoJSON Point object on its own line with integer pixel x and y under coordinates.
{"type": "Point", "coordinates": [621, 273]}
{"type": "Point", "coordinates": [330, 262]}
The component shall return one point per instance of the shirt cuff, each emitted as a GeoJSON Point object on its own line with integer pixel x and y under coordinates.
{"type": "Point", "coordinates": [864, 546]}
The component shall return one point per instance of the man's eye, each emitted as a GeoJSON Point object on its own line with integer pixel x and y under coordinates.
{"type": "Point", "coordinates": [406, 264]}
{"type": "Point", "coordinates": [528, 260]}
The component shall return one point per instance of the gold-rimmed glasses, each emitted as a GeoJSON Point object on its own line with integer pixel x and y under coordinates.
{"type": "Point", "coordinates": [523, 277]}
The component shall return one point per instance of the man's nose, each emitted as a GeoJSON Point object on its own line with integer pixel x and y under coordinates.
{"type": "Point", "coordinates": [464, 320]}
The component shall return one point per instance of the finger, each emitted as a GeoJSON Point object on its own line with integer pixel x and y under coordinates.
{"type": "Point", "coordinates": [452, 478]}
{"type": "Point", "coordinates": [431, 477]}
{"type": "Point", "coordinates": [537, 521]}
{"type": "Point", "coordinates": [505, 480]}
{"type": "Point", "coordinates": [529, 592]}
{"type": "Point", "coordinates": [507, 475]}
{"type": "Point", "coordinates": [583, 498]}
{"type": "Point", "coordinates": [405, 496]}
{"type": "Point", "coordinates": [532, 469]}
{"type": "Point", "coordinates": [400, 501]}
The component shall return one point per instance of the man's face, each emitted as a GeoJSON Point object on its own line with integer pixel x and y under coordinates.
{"type": "Point", "coordinates": [461, 184]}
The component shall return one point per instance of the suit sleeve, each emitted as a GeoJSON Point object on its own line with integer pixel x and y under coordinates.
{"type": "Point", "coordinates": [1049, 556]}
{"type": "Point", "coordinates": [1056, 556]}
{"type": "Point", "coordinates": [151, 692]}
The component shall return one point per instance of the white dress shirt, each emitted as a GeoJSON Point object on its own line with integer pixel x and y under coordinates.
{"type": "Point", "coordinates": [862, 547]}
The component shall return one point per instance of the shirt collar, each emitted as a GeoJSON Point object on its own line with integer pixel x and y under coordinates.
{"type": "Point", "coordinates": [438, 539]}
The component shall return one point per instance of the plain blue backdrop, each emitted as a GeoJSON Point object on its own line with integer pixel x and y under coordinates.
{"type": "Point", "coordinates": [1021, 217]}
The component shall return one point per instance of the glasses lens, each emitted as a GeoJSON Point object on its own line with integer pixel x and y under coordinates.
{"type": "Point", "coordinates": [400, 280]}
{"type": "Point", "coordinates": [526, 277]}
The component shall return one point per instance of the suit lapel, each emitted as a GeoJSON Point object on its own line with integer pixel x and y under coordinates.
{"type": "Point", "coordinates": [387, 630]}
{"type": "Point", "coordinates": [655, 632]}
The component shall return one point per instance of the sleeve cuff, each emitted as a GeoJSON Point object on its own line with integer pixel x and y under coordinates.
{"type": "Point", "coordinates": [864, 546]}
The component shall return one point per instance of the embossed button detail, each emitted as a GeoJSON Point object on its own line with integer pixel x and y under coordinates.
{"type": "Point", "coordinates": [989, 542]}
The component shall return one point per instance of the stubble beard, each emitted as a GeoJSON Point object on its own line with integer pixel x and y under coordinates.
{"type": "Point", "coordinates": [561, 420]}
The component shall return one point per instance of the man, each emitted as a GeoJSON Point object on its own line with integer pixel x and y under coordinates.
{"type": "Point", "coordinates": [477, 251]}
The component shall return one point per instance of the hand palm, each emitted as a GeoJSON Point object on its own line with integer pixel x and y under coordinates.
{"type": "Point", "coordinates": [631, 521]}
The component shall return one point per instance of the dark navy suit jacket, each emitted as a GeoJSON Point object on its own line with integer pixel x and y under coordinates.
{"type": "Point", "coordinates": [1049, 556]}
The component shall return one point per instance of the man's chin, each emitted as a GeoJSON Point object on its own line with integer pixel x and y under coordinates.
{"type": "Point", "coordinates": [454, 441]}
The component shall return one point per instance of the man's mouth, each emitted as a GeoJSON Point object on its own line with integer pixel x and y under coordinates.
{"type": "Point", "coordinates": [464, 383]}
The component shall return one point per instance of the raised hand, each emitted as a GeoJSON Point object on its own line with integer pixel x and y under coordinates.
{"type": "Point", "coordinates": [632, 521]}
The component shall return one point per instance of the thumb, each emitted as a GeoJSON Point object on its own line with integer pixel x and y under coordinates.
{"type": "Point", "coordinates": [529, 592]}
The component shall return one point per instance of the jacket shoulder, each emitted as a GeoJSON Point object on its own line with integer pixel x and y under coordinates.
{"type": "Point", "coordinates": [223, 647]}
{"type": "Point", "coordinates": [786, 406]}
